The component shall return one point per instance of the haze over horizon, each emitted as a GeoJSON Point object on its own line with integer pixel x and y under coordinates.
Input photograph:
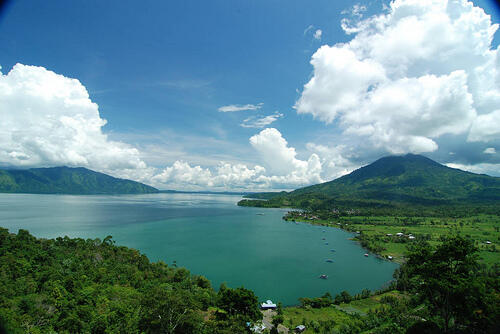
{"type": "Point", "coordinates": [248, 96]}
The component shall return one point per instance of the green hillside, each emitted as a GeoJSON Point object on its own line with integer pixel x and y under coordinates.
{"type": "Point", "coordinates": [393, 181]}
{"type": "Point", "coordinates": [67, 285]}
{"type": "Point", "coordinates": [66, 180]}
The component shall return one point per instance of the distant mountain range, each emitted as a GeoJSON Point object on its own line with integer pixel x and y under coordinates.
{"type": "Point", "coordinates": [393, 180]}
{"type": "Point", "coordinates": [66, 180]}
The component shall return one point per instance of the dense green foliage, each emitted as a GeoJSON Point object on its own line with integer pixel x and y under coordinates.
{"type": "Point", "coordinates": [92, 286]}
{"type": "Point", "coordinates": [66, 180]}
{"type": "Point", "coordinates": [392, 183]}
{"type": "Point", "coordinates": [458, 296]}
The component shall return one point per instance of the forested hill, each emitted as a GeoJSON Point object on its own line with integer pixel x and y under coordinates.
{"type": "Point", "coordinates": [392, 180]}
{"type": "Point", "coordinates": [66, 180]}
{"type": "Point", "coordinates": [66, 285]}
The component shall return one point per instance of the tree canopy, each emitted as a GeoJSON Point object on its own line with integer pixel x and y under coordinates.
{"type": "Point", "coordinates": [67, 285]}
{"type": "Point", "coordinates": [448, 280]}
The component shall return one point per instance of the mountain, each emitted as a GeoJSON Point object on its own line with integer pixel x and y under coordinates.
{"type": "Point", "coordinates": [66, 180]}
{"type": "Point", "coordinates": [408, 179]}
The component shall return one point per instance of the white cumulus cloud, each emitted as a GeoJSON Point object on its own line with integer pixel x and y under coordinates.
{"type": "Point", "coordinates": [490, 150]}
{"type": "Point", "coordinates": [281, 159]}
{"type": "Point", "coordinates": [482, 168]}
{"type": "Point", "coordinates": [283, 170]}
{"type": "Point", "coordinates": [485, 127]}
{"type": "Point", "coordinates": [334, 161]}
{"type": "Point", "coordinates": [422, 70]}
{"type": "Point", "coordinates": [47, 119]}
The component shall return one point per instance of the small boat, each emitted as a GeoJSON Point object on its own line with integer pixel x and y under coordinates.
{"type": "Point", "coordinates": [260, 214]}
{"type": "Point", "coordinates": [323, 276]}
{"type": "Point", "coordinates": [329, 260]}
{"type": "Point", "coordinates": [323, 238]}
{"type": "Point", "coordinates": [332, 250]}
{"type": "Point", "coordinates": [324, 231]}
{"type": "Point", "coordinates": [366, 254]}
{"type": "Point", "coordinates": [326, 243]}
{"type": "Point", "coordinates": [389, 257]}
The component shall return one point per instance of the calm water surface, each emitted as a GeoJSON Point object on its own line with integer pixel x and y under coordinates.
{"type": "Point", "coordinates": [211, 236]}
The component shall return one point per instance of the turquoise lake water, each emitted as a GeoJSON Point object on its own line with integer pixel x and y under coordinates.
{"type": "Point", "coordinates": [211, 236]}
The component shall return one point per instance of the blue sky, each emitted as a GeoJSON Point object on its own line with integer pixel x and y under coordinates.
{"type": "Point", "coordinates": [160, 73]}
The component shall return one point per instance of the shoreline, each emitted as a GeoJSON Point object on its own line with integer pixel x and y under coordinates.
{"type": "Point", "coordinates": [399, 261]}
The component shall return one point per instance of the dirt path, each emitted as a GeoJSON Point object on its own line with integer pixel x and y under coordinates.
{"type": "Point", "coordinates": [267, 319]}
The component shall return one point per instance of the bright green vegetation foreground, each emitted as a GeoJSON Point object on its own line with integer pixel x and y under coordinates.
{"type": "Point", "coordinates": [343, 317]}
{"type": "Point", "coordinates": [92, 286]}
{"type": "Point", "coordinates": [379, 233]}
{"type": "Point", "coordinates": [66, 180]}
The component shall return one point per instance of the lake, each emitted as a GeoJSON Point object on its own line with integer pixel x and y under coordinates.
{"type": "Point", "coordinates": [211, 236]}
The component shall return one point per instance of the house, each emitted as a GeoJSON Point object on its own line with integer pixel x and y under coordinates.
{"type": "Point", "coordinates": [300, 328]}
{"type": "Point", "coordinates": [268, 305]}
{"type": "Point", "coordinates": [399, 234]}
{"type": "Point", "coordinates": [411, 237]}
{"type": "Point", "coordinates": [488, 242]}
{"type": "Point", "coordinates": [389, 234]}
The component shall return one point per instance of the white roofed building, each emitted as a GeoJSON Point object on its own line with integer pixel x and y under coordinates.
{"type": "Point", "coordinates": [268, 305]}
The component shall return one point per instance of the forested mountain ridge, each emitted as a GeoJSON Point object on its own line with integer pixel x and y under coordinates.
{"type": "Point", "coordinates": [67, 180]}
{"type": "Point", "coordinates": [408, 179]}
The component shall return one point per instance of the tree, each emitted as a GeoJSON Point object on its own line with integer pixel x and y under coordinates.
{"type": "Point", "coordinates": [169, 311]}
{"type": "Point", "coordinates": [346, 297]}
{"type": "Point", "coordinates": [240, 302]}
{"type": "Point", "coordinates": [446, 280]}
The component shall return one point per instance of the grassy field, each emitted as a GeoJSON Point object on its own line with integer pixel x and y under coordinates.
{"type": "Point", "coordinates": [339, 314]}
{"type": "Point", "coordinates": [483, 229]}
{"type": "Point", "coordinates": [295, 316]}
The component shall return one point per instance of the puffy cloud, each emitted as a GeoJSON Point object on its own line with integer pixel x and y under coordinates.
{"type": "Point", "coordinates": [317, 34]}
{"type": "Point", "coordinates": [422, 70]}
{"type": "Point", "coordinates": [482, 168]}
{"type": "Point", "coordinates": [284, 170]}
{"type": "Point", "coordinates": [485, 127]}
{"type": "Point", "coordinates": [334, 160]}
{"type": "Point", "coordinates": [182, 173]}
{"type": "Point", "coordinates": [490, 150]}
{"type": "Point", "coordinates": [48, 119]}
{"type": "Point", "coordinates": [338, 82]}
{"type": "Point", "coordinates": [260, 122]}
{"type": "Point", "coordinates": [281, 159]}
{"type": "Point", "coordinates": [237, 107]}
